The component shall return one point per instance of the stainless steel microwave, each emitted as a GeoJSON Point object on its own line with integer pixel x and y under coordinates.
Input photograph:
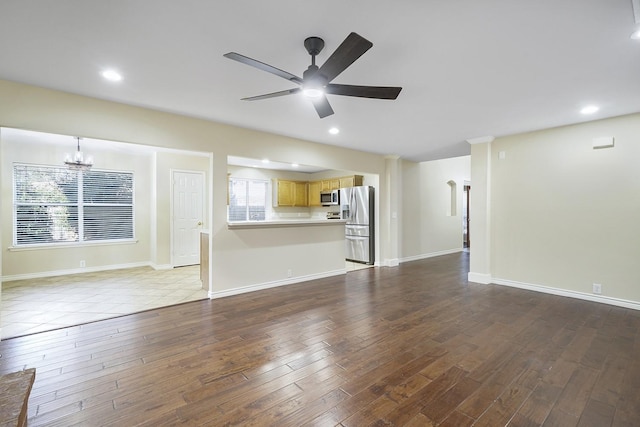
{"type": "Point", "coordinates": [330, 198]}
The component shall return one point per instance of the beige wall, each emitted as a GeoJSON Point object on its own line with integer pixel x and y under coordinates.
{"type": "Point", "coordinates": [28, 107]}
{"type": "Point", "coordinates": [562, 214]}
{"type": "Point", "coordinates": [429, 227]}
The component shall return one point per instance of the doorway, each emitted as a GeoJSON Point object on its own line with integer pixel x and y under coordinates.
{"type": "Point", "coordinates": [466, 218]}
{"type": "Point", "coordinates": [187, 216]}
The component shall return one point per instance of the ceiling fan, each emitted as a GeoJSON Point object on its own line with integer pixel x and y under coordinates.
{"type": "Point", "coordinates": [316, 81]}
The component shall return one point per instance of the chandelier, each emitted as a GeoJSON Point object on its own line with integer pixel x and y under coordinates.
{"type": "Point", "coordinates": [78, 162]}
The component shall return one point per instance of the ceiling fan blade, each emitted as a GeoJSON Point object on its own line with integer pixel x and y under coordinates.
{"type": "Point", "coordinates": [272, 95]}
{"type": "Point", "coordinates": [378, 92]}
{"type": "Point", "coordinates": [322, 106]}
{"type": "Point", "coordinates": [262, 66]}
{"type": "Point", "coordinates": [352, 48]}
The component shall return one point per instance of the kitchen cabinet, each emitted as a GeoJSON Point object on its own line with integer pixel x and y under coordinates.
{"type": "Point", "coordinates": [283, 192]}
{"type": "Point", "coordinates": [350, 181]}
{"type": "Point", "coordinates": [290, 193]}
{"type": "Point", "coordinates": [301, 195]}
{"type": "Point", "coordinates": [315, 187]}
{"type": "Point", "coordinates": [330, 184]}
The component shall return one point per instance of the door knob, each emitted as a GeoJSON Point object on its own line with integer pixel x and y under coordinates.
{"type": "Point", "coordinates": [199, 222]}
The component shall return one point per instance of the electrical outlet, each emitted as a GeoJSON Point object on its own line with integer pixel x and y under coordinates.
{"type": "Point", "coordinates": [597, 288]}
{"type": "Point", "coordinates": [289, 273]}
{"type": "Point", "coordinates": [82, 264]}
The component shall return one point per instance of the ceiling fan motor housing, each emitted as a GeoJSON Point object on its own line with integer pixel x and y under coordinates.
{"type": "Point", "coordinates": [314, 45]}
{"type": "Point", "coordinates": [311, 76]}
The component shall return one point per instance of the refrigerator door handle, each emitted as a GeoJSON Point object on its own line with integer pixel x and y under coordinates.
{"type": "Point", "coordinates": [353, 203]}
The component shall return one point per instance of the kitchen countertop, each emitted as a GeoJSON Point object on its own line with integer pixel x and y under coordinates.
{"type": "Point", "coordinates": [294, 222]}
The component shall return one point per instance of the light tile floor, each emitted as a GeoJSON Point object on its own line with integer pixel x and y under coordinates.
{"type": "Point", "coordinates": [36, 305]}
{"type": "Point", "coordinates": [352, 266]}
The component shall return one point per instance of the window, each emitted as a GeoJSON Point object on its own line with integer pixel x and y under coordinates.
{"type": "Point", "coordinates": [247, 199]}
{"type": "Point", "coordinates": [58, 205]}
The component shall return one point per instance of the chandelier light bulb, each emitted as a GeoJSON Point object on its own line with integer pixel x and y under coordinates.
{"type": "Point", "coordinates": [78, 161]}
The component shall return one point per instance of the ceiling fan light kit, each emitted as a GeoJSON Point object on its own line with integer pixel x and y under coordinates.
{"type": "Point", "coordinates": [316, 81]}
{"type": "Point", "coordinates": [313, 92]}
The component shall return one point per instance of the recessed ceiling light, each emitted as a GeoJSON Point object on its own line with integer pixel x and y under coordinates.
{"type": "Point", "coordinates": [589, 109]}
{"type": "Point", "coordinates": [112, 75]}
{"type": "Point", "coordinates": [334, 131]}
{"type": "Point", "coordinates": [265, 161]}
{"type": "Point", "coordinates": [635, 35]}
{"type": "Point", "coordinates": [294, 165]}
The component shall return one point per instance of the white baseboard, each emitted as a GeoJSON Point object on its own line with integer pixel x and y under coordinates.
{"type": "Point", "coordinates": [161, 266]}
{"type": "Point", "coordinates": [634, 305]}
{"type": "Point", "coordinates": [274, 284]}
{"type": "Point", "coordinates": [391, 262]}
{"type": "Point", "coordinates": [430, 255]}
{"type": "Point", "coordinates": [42, 274]}
{"type": "Point", "coordinates": [481, 278]}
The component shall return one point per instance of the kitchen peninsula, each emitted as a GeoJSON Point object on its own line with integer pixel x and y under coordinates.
{"type": "Point", "coordinates": [301, 222]}
{"type": "Point", "coordinates": [283, 252]}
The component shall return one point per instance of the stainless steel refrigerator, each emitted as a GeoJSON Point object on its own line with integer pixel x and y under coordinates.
{"type": "Point", "coordinates": [357, 207]}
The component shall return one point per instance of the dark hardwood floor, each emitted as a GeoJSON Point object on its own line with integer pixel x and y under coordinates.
{"type": "Point", "coordinates": [414, 345]}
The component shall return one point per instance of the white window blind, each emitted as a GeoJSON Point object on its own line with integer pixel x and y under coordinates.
{"type": "Point", "coordinates": [247, 199]}
{"type": "Point", "coordinates": [107, 205]}
{"type": "Point", "coordinates": [58, 205]}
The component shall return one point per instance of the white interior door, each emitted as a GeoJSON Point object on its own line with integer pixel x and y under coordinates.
{"type": "Point", "coordinates": [187, 217]}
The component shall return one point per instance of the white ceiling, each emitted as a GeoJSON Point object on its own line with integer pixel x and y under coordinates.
{"type": "Point", "coordinates": [468, 68]}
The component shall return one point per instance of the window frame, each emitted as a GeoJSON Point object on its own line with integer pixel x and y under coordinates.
{"type": "Point", "coordinates": [80, 204]}
{"type": "Point", "coordinates": [266, 183]}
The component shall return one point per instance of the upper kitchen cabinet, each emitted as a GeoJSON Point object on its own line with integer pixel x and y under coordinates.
{"type": "Point", "coordinates": [290, 193]}
{"type": "Point", "coordinates": [301, 194]}
{"type": "Point", "coordinates": [315, 188]}
{"type": "Point", "coordinates": [330, 184]}
{"type": "Point", "coordinates": [350, 181]}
